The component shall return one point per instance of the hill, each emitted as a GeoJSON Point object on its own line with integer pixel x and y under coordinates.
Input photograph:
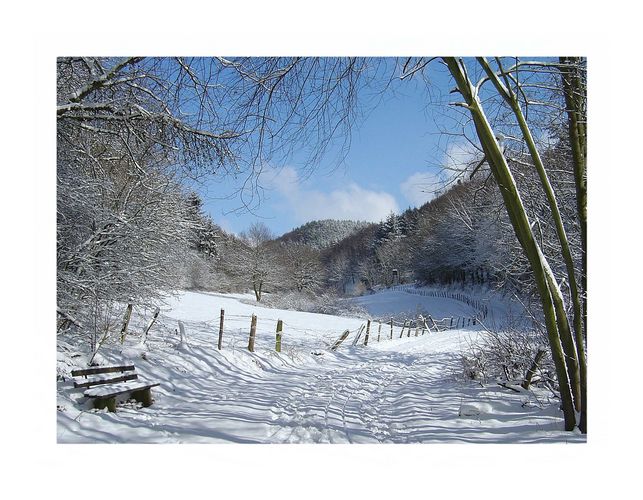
{"type": "Point", "coordinates": [322, 234]}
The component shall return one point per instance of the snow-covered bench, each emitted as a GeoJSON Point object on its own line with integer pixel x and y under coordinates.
{"type": "Point", "coordinates": [105, 383]}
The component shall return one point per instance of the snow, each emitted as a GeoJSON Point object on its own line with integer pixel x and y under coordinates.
{"type": "Point", "coordinates": [115, 388]}
{"type": "Point", "coordinates": [398, 303]}
{"type": "Point", "coordinates": [407, 390]}
{"type": "Point", "coordinates": [112, 374]}
{"type": "Point", "coordinates": [102, 378]}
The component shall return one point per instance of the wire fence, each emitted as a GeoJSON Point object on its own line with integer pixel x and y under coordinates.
{"type": "Point", "coordinates": [268, 333]}
{"type": "Point", "coordinates": [251, 332]}
{"type": "Point", "coordinates": [482, 310]}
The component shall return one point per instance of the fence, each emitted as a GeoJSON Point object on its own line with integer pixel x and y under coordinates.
{"type": "Point", "coordinates": [256, 333]}
{"type": "Point", "coordinates": [482, 309]}
{"type": "Point", "coordinates": [386, 330]}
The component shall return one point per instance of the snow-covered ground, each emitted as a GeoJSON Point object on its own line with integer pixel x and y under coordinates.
{"type": "Point", "coordinates": [405, 390]}
{"type": "Point", "coordinates": [399, 304]}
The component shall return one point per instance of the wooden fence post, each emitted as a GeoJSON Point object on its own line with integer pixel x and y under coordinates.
{"type": "Point", "coordinates": [379, 330]}
{"type": "Point", "coordinates": [220, 343]}
{"type": "Point", "coordinates": [340, 340]}
{"type": "Point", "coordinates": [126, 318]}
{"type": "Point", "coordinates": [403, 327]}
{"type": "Point", "coordinates": [368, 331]}
{"type": "Point", "coordinates": [182, 331]}
{"type": "Point", "coordinates": [156, 315]}
{"type": "Point", "coordinates": [391, 328]}
{"type": "Point", "coordinates": [278, 341]}
{"type": "Point", "coordinates": [358, 335]}
{"type": "Point", "coordinates": [253, 333]}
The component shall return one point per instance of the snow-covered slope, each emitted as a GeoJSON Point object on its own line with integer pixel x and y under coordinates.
{"type": "Point", "coordinates": [404, 390]}
{"type": "Point", "coordinates": [400, 304]}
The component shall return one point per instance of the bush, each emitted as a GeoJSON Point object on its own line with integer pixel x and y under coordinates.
{"type": "Point", "coordinates": [507, 355]}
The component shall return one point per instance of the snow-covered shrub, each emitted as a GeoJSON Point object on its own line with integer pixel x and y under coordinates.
{"type": "Point", "coordinates": [118, 242]}
{"type": "Point", "coordinates": [506, 355]}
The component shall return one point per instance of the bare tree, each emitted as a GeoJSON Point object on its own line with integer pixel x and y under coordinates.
{"type": "Point", "coordinates": [120, 239]}
{"type": "Point", "coordinates": [213, 115]}
{"type": "Point", "coordinates": [256, 261]}
{"type": "Point", "coordinates": [565, 348]}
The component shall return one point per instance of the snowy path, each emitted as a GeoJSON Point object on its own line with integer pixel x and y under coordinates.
{"type": "Point", "coordinates": [395, 391]}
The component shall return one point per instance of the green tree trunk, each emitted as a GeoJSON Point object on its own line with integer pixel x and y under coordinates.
{"type": "Point", "coordinates": [573, 346]}
{"type": "Point", "coordinates": [521, 226]}
{"type": "Point", "coordinates": [574, 90]}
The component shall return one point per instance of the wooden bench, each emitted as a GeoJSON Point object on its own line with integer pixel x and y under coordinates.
{"type": "Point", "coordinates": [105, 383]}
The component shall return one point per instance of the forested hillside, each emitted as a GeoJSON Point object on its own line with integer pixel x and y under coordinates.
{"type": "Point", "coordinates": [461, 237]}
{"type": "Point", "coordinates": [322, 234]}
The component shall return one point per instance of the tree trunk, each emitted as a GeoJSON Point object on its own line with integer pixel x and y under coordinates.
{"type": "Point", "coordinates": [574, 91]}
{"type": "Point", "coordinates": [521, 225]}
{"type": "Point", "coordinates": [573, 347]}
{"type": "Point", "coordinates": [257, 289]}
{"type": "Point", "coordinates": [126, 318]}
{"type": "Point", "coordinates": [532, 370]}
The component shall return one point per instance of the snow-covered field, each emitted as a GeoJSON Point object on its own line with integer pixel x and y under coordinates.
{"type": "Point", "coordinates": [407, 390]}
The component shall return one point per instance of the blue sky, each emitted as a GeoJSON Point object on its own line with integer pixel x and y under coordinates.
{"type": "Point", "coordinates": [395, 154]}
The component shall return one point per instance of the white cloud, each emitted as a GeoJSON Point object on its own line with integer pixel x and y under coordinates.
{"type": "Point", "coordinates": [421, 187]}
{"type": "Point", "coordinates": [284, 180]}
{"type": "Point", "coordinates": [352, 202]}
{"type": "Point", "coordinates": [458, 157]}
